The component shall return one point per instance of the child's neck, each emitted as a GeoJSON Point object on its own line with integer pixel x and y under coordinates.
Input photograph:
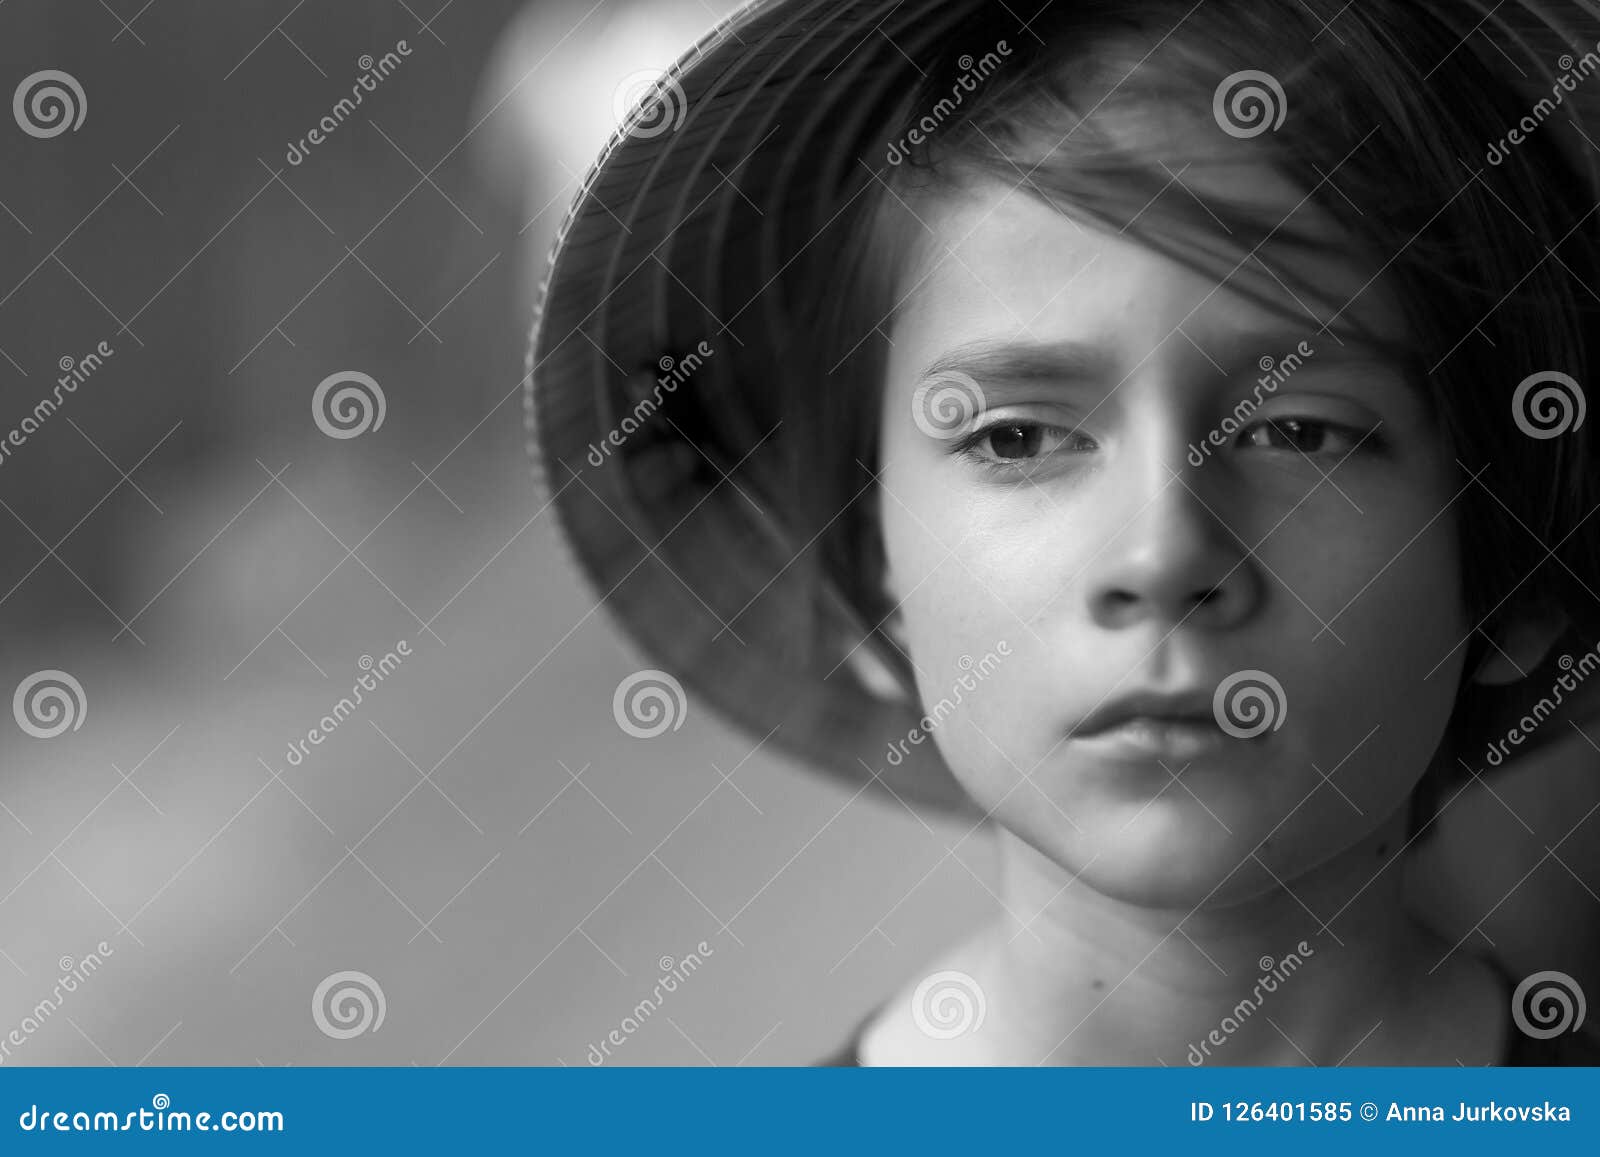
{"type": "Point", "coordinates": [1093, 980]}
{"type": "Point", "coordinates": [1165, 986]}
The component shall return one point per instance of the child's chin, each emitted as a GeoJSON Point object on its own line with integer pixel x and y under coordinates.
{"type": "Point", "coordinates": [1166, 869]}
{"type": "Point", "coordinates": [1169, 880]}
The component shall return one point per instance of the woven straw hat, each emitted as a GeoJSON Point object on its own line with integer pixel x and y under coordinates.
{"type": "Point", "coordinates": [674, 274]}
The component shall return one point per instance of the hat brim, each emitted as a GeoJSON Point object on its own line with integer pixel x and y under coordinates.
{"type": "Point", "coordinates": [682, 232]}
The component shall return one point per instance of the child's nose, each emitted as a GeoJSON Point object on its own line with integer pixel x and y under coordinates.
{"type": "Point", "coordinates": [1169, 557]}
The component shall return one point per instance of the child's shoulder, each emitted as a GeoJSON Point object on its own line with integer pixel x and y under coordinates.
{"type": "Point", "coordinates": [1484, 983]}
{"type": "Point", "coordinates": [914, 1026]}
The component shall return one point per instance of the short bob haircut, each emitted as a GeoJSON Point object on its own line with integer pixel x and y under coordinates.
{"type": "Point", "coordinates": [1395, 103]}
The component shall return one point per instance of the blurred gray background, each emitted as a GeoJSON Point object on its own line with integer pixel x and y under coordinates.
{"type": "Point", "coordinates": [480, 838]}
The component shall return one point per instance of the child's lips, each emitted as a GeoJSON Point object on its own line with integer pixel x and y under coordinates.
{"type": "Point", "coordinates": [1177, 738]}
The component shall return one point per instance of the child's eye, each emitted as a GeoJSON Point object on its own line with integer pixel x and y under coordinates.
{"type": "Point", "coordinates": [1018, 443]}
{"type": "Point", "coordinates": [1306, 435]}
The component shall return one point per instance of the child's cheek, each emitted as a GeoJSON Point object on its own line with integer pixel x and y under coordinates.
{"type": "Point", "coordinates": [1392, 537]}
{"type": "Point", "coordinates": [976, 642]}
{"type": "Point", "coordinates": [1373, 660]}
{"type": "Point", "coordinates": [963, 619]}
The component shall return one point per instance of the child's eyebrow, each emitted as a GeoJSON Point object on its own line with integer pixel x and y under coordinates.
{"type": "Point", "coordinates": [1068, 362]}
{"type": "Point", "coordinates": [1057, 361]}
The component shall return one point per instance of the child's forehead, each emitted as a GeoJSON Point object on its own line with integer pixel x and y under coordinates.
{"type": "Point", "coordinates": [987, 245]}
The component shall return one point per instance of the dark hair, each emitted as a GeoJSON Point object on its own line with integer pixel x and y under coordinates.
{"type": "Point", "coordinates": [1392, 105]}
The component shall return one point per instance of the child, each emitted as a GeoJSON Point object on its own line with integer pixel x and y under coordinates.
{"type": "Point", "coordinates": [1153, 429]}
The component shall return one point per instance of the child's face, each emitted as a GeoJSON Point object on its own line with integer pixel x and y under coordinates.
{"type": "Point", "coordinates": [1077, 529]}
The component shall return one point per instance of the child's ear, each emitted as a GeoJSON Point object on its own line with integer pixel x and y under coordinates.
{"type": "Point", "coordinates": [878, 673]}
{"type": "Point", "coordinates": [895, 627]}
{"type": "Point", "coordinates": [1520, 643]}
{"type": "Point", "coordinates": [894, 624]}
{"type": "Point", "coordinates": [884, 674]}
